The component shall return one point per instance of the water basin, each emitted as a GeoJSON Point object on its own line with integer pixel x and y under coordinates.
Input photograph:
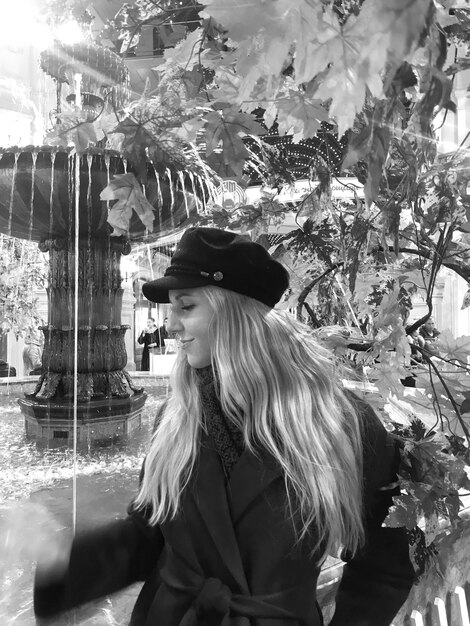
{"type": "Point", "coordinates": [38, 482]}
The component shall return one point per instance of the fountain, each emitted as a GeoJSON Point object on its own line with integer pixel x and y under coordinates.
{"type": "Point", "coordinates": [52, 195]}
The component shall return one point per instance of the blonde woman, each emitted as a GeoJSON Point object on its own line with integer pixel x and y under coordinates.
{"type": "Point", "coordinates": [259, 467]}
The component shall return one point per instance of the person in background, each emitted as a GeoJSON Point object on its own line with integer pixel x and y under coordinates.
{"type": "Point", "coordinates": [260, 466]}
{"type": "Point", "coordinates": [162, 335]}
{"type": "Point", "coordinates": [32, 354]}
{"type": "Point", "coordinates": [416, 358]}
{"type": "Point", "coordinates": [149, 339]}
{"type": "Point", "coordinates": [416, 342]}
{"type": "Point", "coordinates": [429, 333]}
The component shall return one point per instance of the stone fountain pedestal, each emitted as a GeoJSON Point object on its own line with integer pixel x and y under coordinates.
{"type": "Point", "coordinates": [98, 422]}
{"type": "Point", "coordinates": [109, 406]}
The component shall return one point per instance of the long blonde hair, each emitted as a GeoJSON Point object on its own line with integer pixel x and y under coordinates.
{"type": "Point", "coordinates": [282, 389]}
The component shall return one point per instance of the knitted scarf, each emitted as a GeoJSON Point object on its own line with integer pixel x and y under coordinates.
{"type": "Point", "coordinates": [227, 438]}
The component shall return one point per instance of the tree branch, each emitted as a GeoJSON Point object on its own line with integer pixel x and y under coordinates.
{"type": "Point", "coordinates": [462, 271]}
{"type": "Point", "coordinates": [306, 290]}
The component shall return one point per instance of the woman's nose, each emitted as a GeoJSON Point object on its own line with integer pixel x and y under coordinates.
{"type": "Point", "coordinates": [173, 324]}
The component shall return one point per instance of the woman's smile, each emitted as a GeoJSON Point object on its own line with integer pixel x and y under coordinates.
{"type": "Point", "coordinates": [184, 343]}
{"type": "Point", "coordinates": [190, 318]}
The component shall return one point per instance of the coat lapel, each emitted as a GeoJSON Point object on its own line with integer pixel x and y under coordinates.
{"type": "Point", "coordinates": [250, 477]}
{"type": "Point", "coordinates": [209, 493]}
{"type": "Point", "coordinates": [221, 510]}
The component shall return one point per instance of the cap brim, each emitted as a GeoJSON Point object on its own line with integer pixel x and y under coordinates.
{"type": "Point", "coordinates": [157, 290]}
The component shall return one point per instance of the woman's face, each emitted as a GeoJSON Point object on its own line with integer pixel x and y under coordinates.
{"type": "Point", "coordinates": [189, 318]}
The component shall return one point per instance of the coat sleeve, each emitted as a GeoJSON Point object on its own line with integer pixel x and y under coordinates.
{"type": "Point", "coordinates": [102, 560]}
{"type": "Point", "coordinates": [377, 579]}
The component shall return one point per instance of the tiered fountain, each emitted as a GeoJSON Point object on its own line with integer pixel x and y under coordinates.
{"type": "Point", "coordinates": [41, 191]}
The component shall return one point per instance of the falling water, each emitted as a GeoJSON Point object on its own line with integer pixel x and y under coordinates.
{"type": "Point", "coordinates": [89, 217]}
{"type": "Point", "coordinates": [88, 197]}
{"type": "Point", "coordinates": [51, 195]}
{"type": "Point", "coordinates": [12, 194]}
{"type": "Point", "coordinates": [183, 191]}
{"type": "Point", "coordinates": [18, 279]}
{"type": "Point", "coordinates": [48, 335]}
{"type": "Point", "coordinates": [75, 340]}
{"type": "Point", "coordinates": [160, 199]}
{"type": "Point", "coordinates": [195, 195]}
{"type": "Point", "coordinates": [204, 200]}
{"type": "Point", "coordinates": [107, 162]}
{"type": "Point", "coordinates": [34, 156]}
{"type": "Point", "coordinates": [172, 213]}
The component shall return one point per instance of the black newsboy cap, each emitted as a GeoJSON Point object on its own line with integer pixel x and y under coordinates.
{"type": "Point", "coordinates": [210, 256]}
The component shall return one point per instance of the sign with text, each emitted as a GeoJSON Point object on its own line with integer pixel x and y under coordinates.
{"type": "Point", "coordinates": [342, 188]}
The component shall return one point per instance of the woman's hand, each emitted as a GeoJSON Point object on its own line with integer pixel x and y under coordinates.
{"type": "Point", "coordinates": [29, 532]}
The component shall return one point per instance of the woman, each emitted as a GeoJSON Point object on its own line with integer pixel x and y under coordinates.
{"type": "Point", "coordinates": [149, 337]}
{"type": "Point", "coordinates": [260, 466]}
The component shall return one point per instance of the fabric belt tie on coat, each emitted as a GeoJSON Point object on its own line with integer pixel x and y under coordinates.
{"type": "Point", "coordinates": [215, 602]}
{"type": "Point", "coordinates": [212, 602]}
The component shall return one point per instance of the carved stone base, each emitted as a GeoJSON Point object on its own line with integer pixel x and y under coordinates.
{"type": "Point", "coordinates": [57, 387]}
{"type": "Point", "coordinates": [98, 421]}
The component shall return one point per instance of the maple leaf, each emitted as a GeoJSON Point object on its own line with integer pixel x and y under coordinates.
{"type": "Point", "coordinates": [384, 32]}
{"type": "Point", "coordinates": [126, 190]}
{"type": "Point", "coordinates": [227, 128]}
{"type": "Point", "coordinates": [84, 136]}
{"type": "Point", "coordinates": [453, 347]}
{"type": "Point", "coordinates": [389, 311]}
{"type": "Point", "coordinates": [135, 138]}
{"type": "Point", "coordinates": [387, 377]}
{"type": "Point", "coordinates": [378, 152]}
{"type": "Point", "coordinates": [135, 134]}
{"type": "Point", "coordinates": [73, 129]}
{"type": "Point", "coordinates": [249, 65]}
{"type": "Point", "coordinates": [413, 277]}
{"type": "Point", "coordinates": [297, 115]}
{"type": "Point", "coordinates": [228, 83]}
{"type": "Point", "coordinates": [349, 95]}
{"type": "Point", "coordinates": [403, 512]}
{"type": "Point", "coordinates": [329, 44]}
{"type": "Point", "coordinates": [186, 52]}
{"type": "Point", "coordinates": [339, 48]}
{"type": "Point", "coordinates": [265, 41]}
{"type": "Point", "coordinates": [244, 20]}
{"type": "Point", "coordinates": [189, 129]}
{"type": "Point", "coordinates": [414, 404]}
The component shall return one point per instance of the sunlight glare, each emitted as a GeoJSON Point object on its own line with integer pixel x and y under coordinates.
{"type": "Point", "coordinates": [69, 32]}
{"type": "Point", "coordinates": [21, 25]}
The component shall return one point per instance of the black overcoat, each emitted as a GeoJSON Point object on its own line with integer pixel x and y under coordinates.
{"type": "Point", "coordinates": [230, 557]}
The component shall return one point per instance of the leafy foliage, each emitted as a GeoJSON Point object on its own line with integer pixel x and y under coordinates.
{"type": "Point", "coordinates": [126, 190]}
{"type": "Point", "coordinates": [22, 269]}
